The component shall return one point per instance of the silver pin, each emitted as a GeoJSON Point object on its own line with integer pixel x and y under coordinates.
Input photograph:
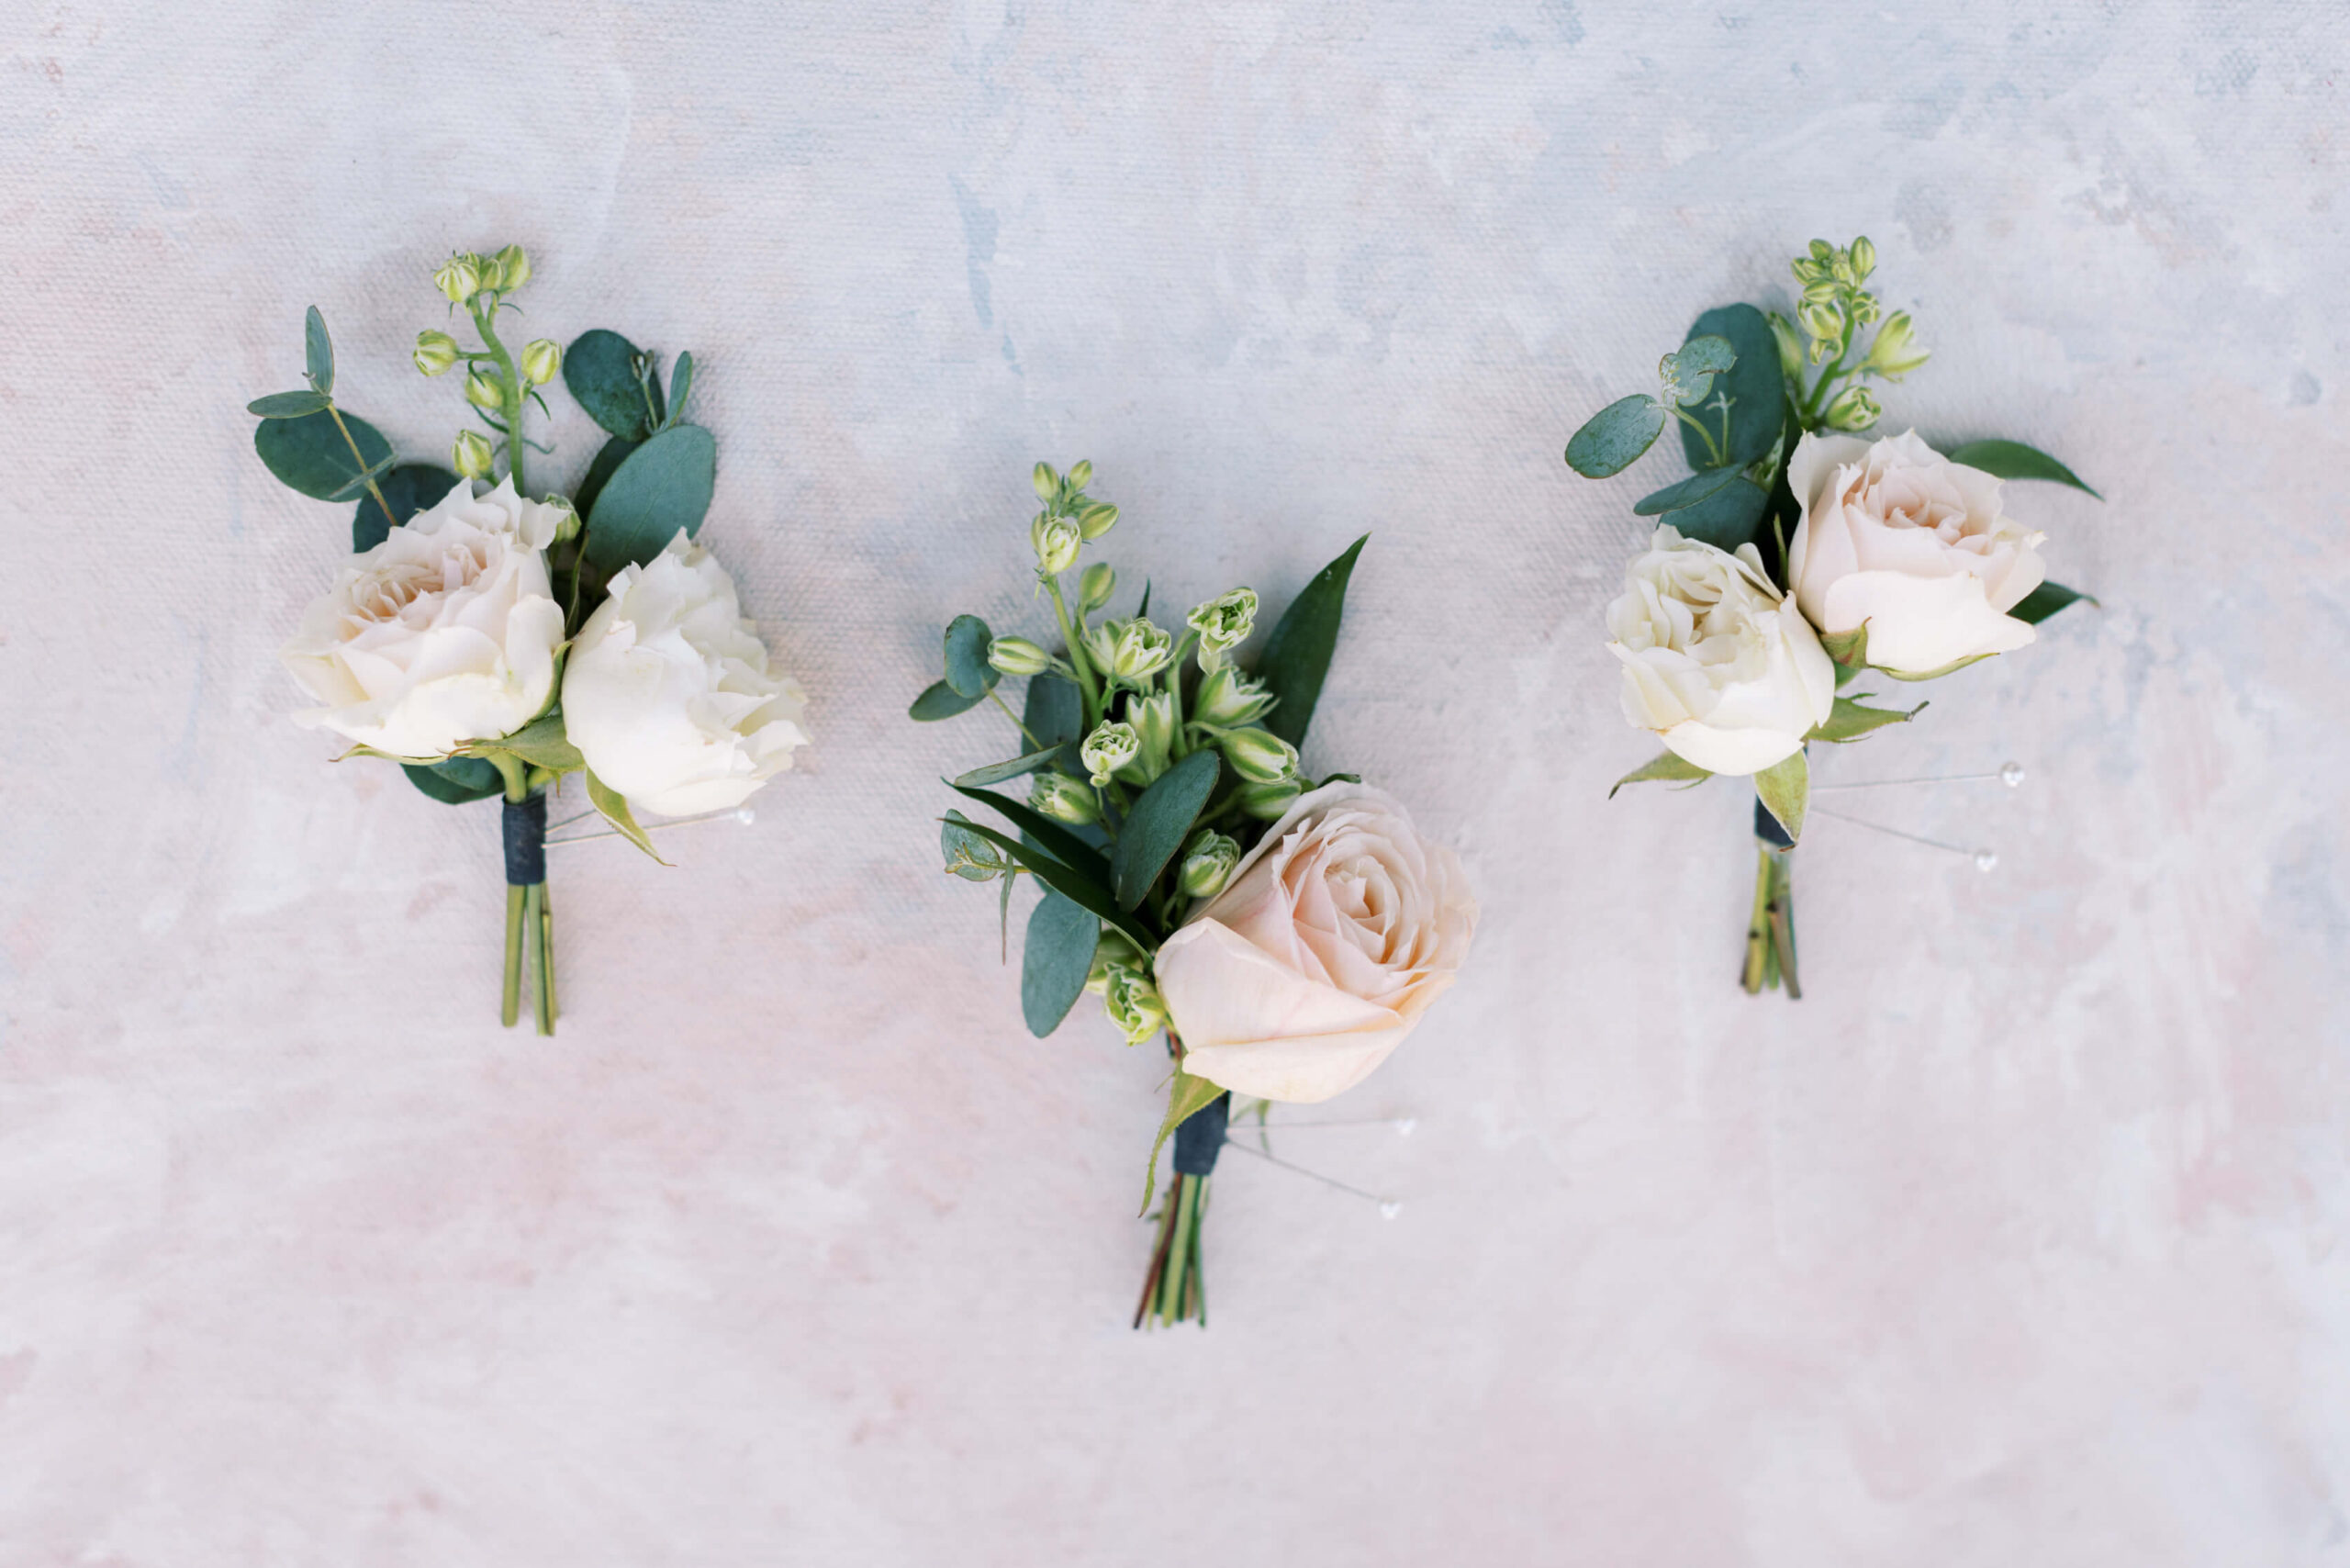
{"type": "Point", "coordinates": [1402, 1124]}
{"type": "Point", "coordinates": [743, 814]}
{"type": "Point", "coordinates": [2008, 773]}
{"type": "Point", "coordinates": [1984, 859]}
{"type": "Point", "coordinates": [1388, 1207]}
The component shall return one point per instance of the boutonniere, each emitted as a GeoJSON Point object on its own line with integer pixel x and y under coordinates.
{"type": "Point", "coordinates": [1800, 555]}
{"type": "Point", "coordinates": [496, 642]}
{"type": "Point", "coordinates": [1284, 933]}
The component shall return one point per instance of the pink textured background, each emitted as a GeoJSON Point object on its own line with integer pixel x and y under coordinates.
{"type": "Point", "coordinates": [2020, 1240]}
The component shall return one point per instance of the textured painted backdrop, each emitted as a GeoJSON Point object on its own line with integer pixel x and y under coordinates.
{"type": "Point", "coordinates": [2020, 1239]}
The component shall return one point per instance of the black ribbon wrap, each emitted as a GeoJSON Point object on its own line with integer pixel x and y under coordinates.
{"type": "Point", "coordinates": [1200, 1138]}
{"type": "Point", "coordinates": [526, 842]}
{"type": "Point", "coordinates": [1767, 828]}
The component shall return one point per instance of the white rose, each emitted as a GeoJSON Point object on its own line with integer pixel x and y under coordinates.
{"type": "Point", "coordinates": [1330, 940]}
{"type": "Point", "coordinates": [668, 693]}
{"type": "Point", "coordinates": [445, 632]}
{"type": "Point", "coordinates": [1896, 536]}
{"type": "Point", "coordinates": [1726, 672]}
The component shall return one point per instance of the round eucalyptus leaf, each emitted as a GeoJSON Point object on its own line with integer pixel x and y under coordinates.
{"type": "Point", "coordinates": [968, 670]}
{"type": "Point", "coordinates": [600, 370]}
{"type": "Point", "coordinates": [311, 455]}
{"type": "Point", "coordinates": [286, 405]}
{"type": "Point", "coordinates": [662, 487]}
{"type": "Point", "coordinates": [1055, 962]}
{"type": "Point", "coordinates": [607, 460]}
{"type": "Point", "coordinates": [1756, 389]}
{"type": "Point", "coordinates": [455, 781]}
{"type": "Point", "coordinates": [1613, 439]}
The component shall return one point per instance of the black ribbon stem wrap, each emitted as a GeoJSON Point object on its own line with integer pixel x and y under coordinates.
{"type": "Point", "coordinates": [526, 842]}
{"type": "Point", "coordinates": [1199, 1138]}
{"type": "Point", "coordinates": [1767, 828]}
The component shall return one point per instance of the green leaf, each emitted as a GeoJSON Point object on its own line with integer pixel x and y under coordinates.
{"type": "Point", "coordinates": [614, 805]}
{"type": "Point", "coordinates": [1785, 790]}
{"type": "Point", "coordinates": [939, 701]}
{"type": "Point", "coordinates": [1932, 674]}
{"type": "Point", "coordinates": [1053, 838]}
{"type": "Point", "coordinates": [681, 386]}
{"type": "Point", "coordinates": [309, 454]}
{"type": "Point", "coordinates": [607, 461]}
{"type": "Point", "coordinates": [1727, 517]}
{"type": "Point", "coordinates": [1756, 390]}
{"type": "Point", "coordinates": [1667, 767]}
{"type": "Point", "coordinates": [357, 484]}
{"type": "Point", "coordinates": [410, 488]}
{"type": "Point", "coordinates": [1850, 720]}
{"type": "Point", "coordinates": [541, 743]}
{"type": "Point", "coordinates": [1055, 711]}
{"type": "Point", "coordinates": [317, 350]}
{"type": "Point", "coordinates": [1069, 884]}
{"type": "Point", "coordinates": [1055, 960]}
{"type": "Point", "coordinates": [997, 772]}
{"type": "Point", "coordinates": [2046, 600]}
{"type": "Point", "coordinates": [967, 854]}
{"type": "Point", "coordinates": [600, 369]}
{"type": "Point", "coordinates": [2014, 460]}
{"type": "Point", "coordinates": [287, 404]}
{"type": "Point", "coordinates": [1613, 439]}
{"type": "Point", "coordinates": [1158, 822]}
{"type": "Point", "coordinates": [1705, 355]}
{"type": "Point", "coordinates": [661, 487]}
{"type": "Point", "coordinates": [1850, 648]}
{"type": "Point", "coordinates": [968, 670]}
{"type": "Point", "coordinates": [455, 781]}
{"type": "Point", "coordinates": [1683, 492]}
{"type": "Point", "coordinates": [1186, 1098]}
{"type": "Point", "coordinates": [1297, 655]}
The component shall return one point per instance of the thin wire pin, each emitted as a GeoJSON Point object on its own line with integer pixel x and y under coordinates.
{"type": "Point", "coordinates": [2008, 773]}
{"type": "Point", "coordinates": [1984, 859]}
{"type": "Point", "coordinates": [743, 814]}
{"type": "Point", "coordinates": [1388, 1207]}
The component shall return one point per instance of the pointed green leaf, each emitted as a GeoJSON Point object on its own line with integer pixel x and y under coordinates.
{"type": "Point", "coordinates": [600, 369]}
{"type": "Point", "coordinates": [968, 670]}
{"type": "Point", "coordinates": [1726, 518]}
{"type": "Point", "coordinates": [455, 781]}
{"type": "Point", "coordinates": [2014, 460]}
{"type": "Point", "coordinates": [1158, 824]}
{"type": "Point", "coordinates": [541, 743]}
{"type": "Point", "coordinates": [310, 454]}
{"type": "Point", "coordinates": [1072, 885]}
{"type": "Point", "coordinates": [410, 488]}
{"type": "Point", "coordinates": [317, 351]}
{"type": "Point", "coordinates": [606, 463]}
{"type": "Point", "coordinates": [1297, 655]}
{"type": "Point", "coordinates": [2046, 600]}
{"type": "Point", "coordinates": [1055, 960]}
{"type": "Point", "coordinates": [1051, 837]}
{"type": "Point", "coordinates": [967, 854]}
{"type": "Point", "coordinates": [997, 772]}
{"type": "Point", "coordinates": [1850, 720]}
{"type": "Point", "coordinates": [939, 701]}
{"type": "Point", "coordinates": [659, 488]}
{"type": "Point", "coordinates": [1756, 389]}
{"type": "Point", "coordinates": [614, 807]}
{"type": "Point", "coordinates": [1666, 768]}
{"type": "Point", "coordinates": [1613, 439]}
{"type": "Point", "coordinates": [1186, 1097]}
{"type": "Point", "coordinates": [1785, 790]}
{"type": "Point", "coordinates": [287, 404]}
{"type": "Point", "coordinates": [1683, 492]}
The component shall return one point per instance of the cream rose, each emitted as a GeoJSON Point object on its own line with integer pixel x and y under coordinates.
{"type": "Point", "coordinates": [1330, 940]}
{"type": "Point", "coordinates": [1726, 672]}
{"type": "Point", "coordinates": [1898, 537]}
{"type": "Point", "coordinates": [445, 632]}
{"type": "Point", "coordinates": [668, 694]}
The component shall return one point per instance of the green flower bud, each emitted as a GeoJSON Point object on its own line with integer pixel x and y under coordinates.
{"type": "Point", "coordinates": [1894, 354]}
{"type": "Point", "coordinates": [484, 390]}
{"type": "Point", "coordinates": [1228, 699]}
{"type": "Point", "coordinates": [435, 351]}
{"type": "Point", "coordinates": [1783, 332]}
{"type": "Point", "coordinates": [471, 456]}
{"type": "Point", "coordinates": [509, 270]}
{"type": "Point", "coordinates": [1111, 746]}
{"type": "Point", "coordinates": [1823, 292]}
{"type": "Point", "coordinates": [1101, 640]}
{"type": "Point", "coordinates": [1866, 308]}
{"type": "Point", "coordinates": [1863, 259]}
{"type": "Point", "coordinates": [1840, 269]}
{"type": "Point", "coordinates": [459, 278]}
{"type": "Point", "coordinates": [1259, 757]}
{"type": "Point", "coordinates": [1806, 271]}
{"type": "Point", "coordinates": [1141, 650]}
{"type": "Point", "coordinates": [1110, 950]}
{"type": "Point", "coordinates": [1153, 718]}
{"type": "Point", "coordinates": [1822, 323]}
{"type": "Point", "coordinates": [1093, 590]}
{"type": "Point", "coordinates": [1097, 519]}
{"type": "Point", "coordinates": [1822, 252]}
{"type": "Point", "coordinates": [569, 525]}
{"type": "Point", "coordinates": [1265, 803]}
{"type": "Point", "coordinates": [1063, 799]}
{"type": "Point", "coordinates": [1222, 623]}
{"type": "Point", "coordinates": [1057, 542]}
{"type": "Point", "coordinates": [1046, 483]}
{"type": "Point", "coordinates": [1133, 1003]}
{"type": "Point", "coordinates": [1018, 655]}
{"type": "Point", "coordinates": [1080, 476]}
{"type": "Point", "coordinates": [1853, 410]}
{"type": "Point", "coordinates": [541, 357]}
{"type": "Point", "coordinates": [1208, 862]}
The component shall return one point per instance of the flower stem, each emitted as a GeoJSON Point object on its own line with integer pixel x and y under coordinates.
{"type": "Point", "coordinates": [1758, 925]}
{"type": "Point", "coordinates": [1077, 659]}
{"type": "Point", "coordinates": [512, 1007]}
{"type": "Point", "coordinates": [358, 458]}
{"type": "Point", "coordinates": [513, 400]}
{"type": "Point", "coordinates": [542, 991]}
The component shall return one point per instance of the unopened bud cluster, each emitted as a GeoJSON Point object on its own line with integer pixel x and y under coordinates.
{"type": "Point", "coordinates": [1831, 314]}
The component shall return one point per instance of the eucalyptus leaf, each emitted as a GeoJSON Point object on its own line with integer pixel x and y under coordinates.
{"type": "Point", "coordinates": [455, 781]}
{"type": "Point", "coordinates": [2046, 600]}
{"type": "Point", "coordinates": [997, 772]}
{"type": "Point", "coordinates": [1613, 439]}
{"type": "Point", "coordinates": [1785, 790]}
{"type": "Point", "coordinates": [1753, 383]}
{"type": "Point", "coordinates": [1186, 1098]}
{"type": "Point", "coordinates": [1689, 374]}
{"type": "Point", "coordinates": [1297, 655]}
{"type": "Point", "coordinates": [1727, 517]}
{"type": "Point", "coordinates": [317, 350]}
{"type": "Point", "coordinates": [614, 807]}
{"type": "Point", "coordinates": [1049, 836]}
{"type": "Point", "coordinates": [1158, 824]}
{"type": "Point", "coordinates": [409, 488]}
{"type": "Point", "coordinates": [1666, 768]}
{"type": "Point", "coordinates": [661, 487]}
{"type": "Point", "coordinates": [1849, 721]}
{"type": "Point", "coordinates": [681, 386]}
{"type": "Point", "coordinates": [967, 854]}
{"type": "Point", "coordinates": [1055, 960]}
{"type": "Point", "coordinates": [939, 701]}
{"type": "Point", "coordinates": [968, 670]}
{"type": "Point", "coordinates": [311, 455]}
{"type": "Point", "coordinates": [287, 404]}
{"type": "Point", "coordinates": [600, 369]}
{"type": "Point", "coordinates": [1065, 880]}
{"type": "Point", "coordinates": [1054, 712]}
{"type": "Point", "coordinates": [2014, 460]}
{"type": "Point", "coordinates": [1683, 492]}
{"type": "Point", "coordinates": [601, 469]}
{"type": "Point", "coordinates": [358, 483]}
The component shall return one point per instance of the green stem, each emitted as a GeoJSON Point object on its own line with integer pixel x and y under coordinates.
{"type": "Point", "coordinates": [1077, 659]}
{"type": "Point", "coordinates": [513, 384]}
{"type": "Point", "coordinates": [995, 697]}
{"type": "Point", "coordinates": [1713, 449]}
{"type": "Point", "coordinates": [356, 457]}
{"type": "Point", "coordinates": [512, 1008]}
{"type": "Point", "coordinates": [535, 923]}
{"type": "Point", "coordinates": [1758, 927]}
{"type": "Point", "coordinates": [546, 956]}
